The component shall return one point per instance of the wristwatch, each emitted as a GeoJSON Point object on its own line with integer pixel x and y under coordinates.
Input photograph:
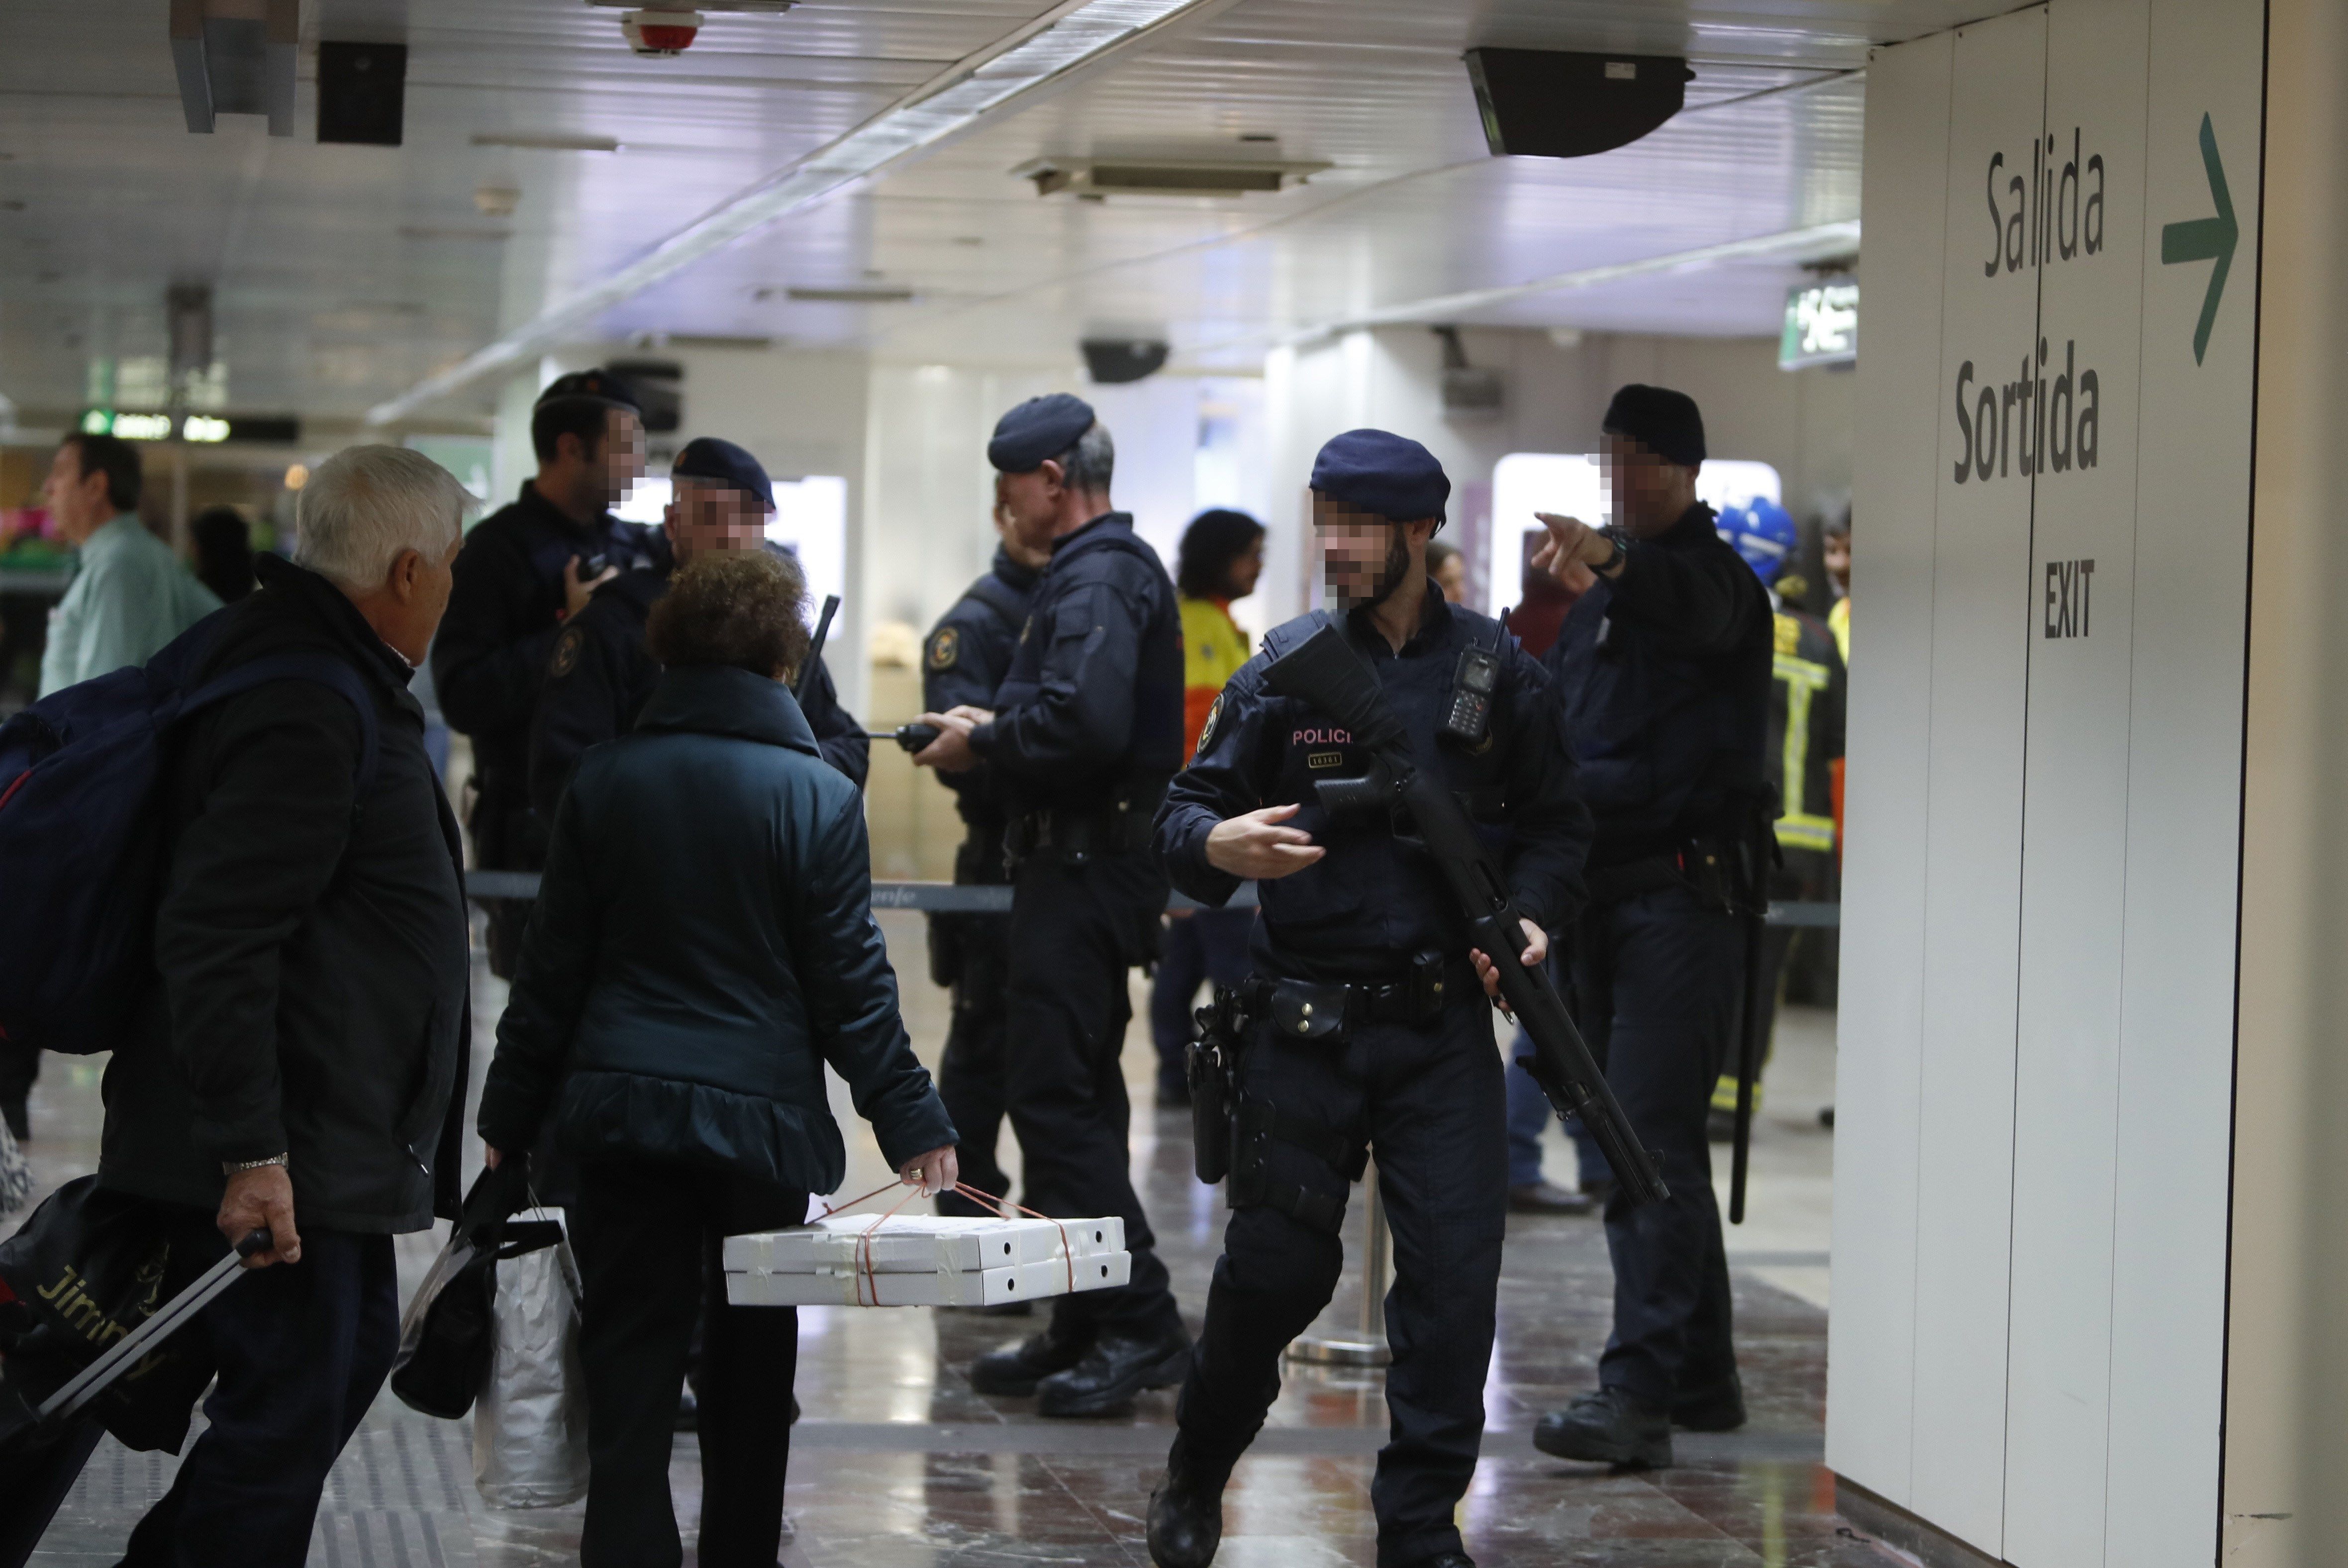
{"type": "Point", "coordinates": [1612, 562]}
{"type": "Point", "coordinates": [238, 1167]}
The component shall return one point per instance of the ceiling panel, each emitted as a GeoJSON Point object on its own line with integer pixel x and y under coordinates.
{"type": "Point", "coordinates": [344, 275]}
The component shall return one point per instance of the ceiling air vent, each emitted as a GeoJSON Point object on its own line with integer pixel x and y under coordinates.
{"type": "Point", "coordinates": [1162, 177]}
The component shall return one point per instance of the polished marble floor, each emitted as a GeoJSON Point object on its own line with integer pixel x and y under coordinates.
{"type": "Point", "coordinates": [898, 1464]}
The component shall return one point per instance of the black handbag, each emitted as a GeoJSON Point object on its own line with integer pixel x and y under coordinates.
{"type": "Point", "coordinates": [444, 1338]}
{"type": "Point", "coordinates": [88, 1267]}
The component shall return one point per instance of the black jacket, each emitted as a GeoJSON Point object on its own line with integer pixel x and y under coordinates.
{"type": "Point", "coordinates": [1374, 900]}
{"type": "Point", "coordinates": [702, 945]}
{"type": "Point", "coordinates": [599, 677]}
{"type": "Point", "coordinates": [963, 662]}
{"type": "Point", "coordinates": [1091, 709]}
{"type": "Point", "coordinates": [1664, 678]}
{"type": "Point", "coordinates": [311, 947]}
{"type": "Point", "coordinates": [505, 610]}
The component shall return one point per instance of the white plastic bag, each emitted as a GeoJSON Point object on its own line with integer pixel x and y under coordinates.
{"type": "Point", "coordinates": [529, 1427]}
{"type": "Point", "coordinates": [16, 1173]}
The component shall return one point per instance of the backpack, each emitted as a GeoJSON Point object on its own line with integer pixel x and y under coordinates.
{"type": "Point", "coordinates": [82, 850]}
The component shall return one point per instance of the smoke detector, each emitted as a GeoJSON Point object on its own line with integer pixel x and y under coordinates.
{"type": "Point", "coordinates": [660, 32]}
{"type": "Point", "coordinates": [669, 28]}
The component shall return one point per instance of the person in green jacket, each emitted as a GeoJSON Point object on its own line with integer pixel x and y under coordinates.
{"type": "Point", "coordinates": [130, 595]}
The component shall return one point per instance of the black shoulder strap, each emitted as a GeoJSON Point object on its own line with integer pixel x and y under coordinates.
{"type": "Point", "coordinates": [325, 669]}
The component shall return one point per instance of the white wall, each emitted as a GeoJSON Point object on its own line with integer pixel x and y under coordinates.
{"type": "Point", "coordinates": [930, 491]}
{"type": "Point", "coordinates": [2034, 1111]}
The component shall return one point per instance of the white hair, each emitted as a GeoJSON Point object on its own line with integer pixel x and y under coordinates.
{"type": "Point", "coordinates": [364, 505]}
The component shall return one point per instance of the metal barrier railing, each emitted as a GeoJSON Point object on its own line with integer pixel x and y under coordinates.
{"type": "Point", "coordinates": [959, 898]}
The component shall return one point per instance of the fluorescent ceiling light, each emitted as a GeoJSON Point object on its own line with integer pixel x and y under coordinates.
{"type": "Point", "coordinates": [1818, 239]}
{"type": "Point", "coordinates": [548, 141]}
{"type": "Point", "coordinates": [1071, 35]}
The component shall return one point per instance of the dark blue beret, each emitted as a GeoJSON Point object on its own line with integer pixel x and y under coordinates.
{"type": "Point", "coordinates": [723, 463]}
{"type": "Point", "coordinates": [1038, 430]}
{"type": "Point", "coordinates": [1379, 471]}
{"type": "Point", "coordinates": [1663, 421]}
{"type": "Point", "coordinates": [591, 387]}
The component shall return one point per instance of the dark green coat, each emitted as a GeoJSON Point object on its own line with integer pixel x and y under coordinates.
{"type": "Point", "coordinates": [702, 945]}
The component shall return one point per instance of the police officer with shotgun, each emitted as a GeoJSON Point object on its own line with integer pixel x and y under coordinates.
{"type": "Point", "coordinates": [1354, 769]}
{"type": "Point", "coordinates": [1662, 672]}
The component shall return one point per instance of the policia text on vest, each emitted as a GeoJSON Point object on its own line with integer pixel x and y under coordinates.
{"type": "Point", "coordinates": [2048, 418]}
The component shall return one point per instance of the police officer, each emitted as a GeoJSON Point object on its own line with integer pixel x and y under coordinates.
{"type": "Point", "coordinates": [1803, 747]}
{"type": "Point", "coordinates": [1082, 736]}
{"type": "Point", "coordinates": [1661, 672]}
{"type": "Point", "coordinates": [599, 676]}
{"type": "Point", "coordinates": [522, 571]}
{"type": "Point", "coordinates": [963, 662]}
{"type": "Point", "coordinates": [1369, 1029]}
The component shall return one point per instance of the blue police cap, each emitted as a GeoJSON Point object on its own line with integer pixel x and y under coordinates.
{"type": "Point", "coordinates": [723, 463]}
{"type": "Point", "coordinates": [1037, 430]}
{"type": "Point", "coordinates": [1665, 422]}
{"type": "Point", "coordinates": [1379, 471]}
{"type": "Point", "coordinates": [591, 387]}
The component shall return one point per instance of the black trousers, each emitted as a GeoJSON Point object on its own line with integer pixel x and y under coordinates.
{"type": "Point", "coordinates": [970, 1072]}
{"type": "Point", "coordinates": [1205, 944]}
{"type": "Point", "coordinates": [1075, 932]}
{"type": "Point", "coordinates": [645, 1232]}
{"type": "Point", "coordinates": [1432, 1105]}
{"type": "Point", "coordinates": [1657, 978]}
{"type": "Point", "coordinates": [303, 1349]}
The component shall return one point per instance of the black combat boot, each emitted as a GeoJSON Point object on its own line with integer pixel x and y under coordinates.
{"type": "Point", "coordinates": [1186, 1512]}
{"type": "Point", "coordinates": [1446, 1559]}
{"type": "Point", "coordinates": [1717, 1408]}
{"type": "Point", "coordinates": [1112, 1372]}
{"type": "Point", "coordinates": [1016, 1369]}
{"type": "Point", "coordinates": [1611, 1427]}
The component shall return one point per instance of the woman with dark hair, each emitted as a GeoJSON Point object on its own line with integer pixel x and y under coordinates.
{"type": "Point", "coordinates": [703, 945]}
{"type": "Point", "coordinates": [223, 541]}
{"type": "Point", "coordinates": [1221, 556]}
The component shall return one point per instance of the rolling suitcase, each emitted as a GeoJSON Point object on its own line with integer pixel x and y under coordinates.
{"type": "Point", "coordinates": [44, 1448]}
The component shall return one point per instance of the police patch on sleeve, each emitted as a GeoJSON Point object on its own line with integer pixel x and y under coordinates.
{"type": "Point", "coordinates": [1207, 730]}
{"type": "Point", "coordinates": [945, 647]}
{"type": "Point", "coordinates": [566, 650]}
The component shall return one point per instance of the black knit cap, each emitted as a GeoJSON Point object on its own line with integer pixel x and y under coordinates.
{"type": "Point", "coordinates": [1663, 421]}
{"type": "Point", "coordinates": [591, 387]}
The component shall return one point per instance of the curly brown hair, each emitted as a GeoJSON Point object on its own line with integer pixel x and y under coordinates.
{"type": "Point", "coordinates": [738, 608]}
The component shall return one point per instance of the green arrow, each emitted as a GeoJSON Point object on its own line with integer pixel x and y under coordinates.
{"type": "Point", "coordinates": [2206, 239]}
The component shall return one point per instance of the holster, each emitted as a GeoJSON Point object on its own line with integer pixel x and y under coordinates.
{"type": "Point", "coordinates": [1212, 1065]}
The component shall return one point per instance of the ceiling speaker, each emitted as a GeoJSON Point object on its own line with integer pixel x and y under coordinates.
{"type": "Point", "coordinates": [1112, 361]}
{"type": "Point", "coordinates": [1549, 103]}
{"type": "Point", "coordinates": [362, 93]}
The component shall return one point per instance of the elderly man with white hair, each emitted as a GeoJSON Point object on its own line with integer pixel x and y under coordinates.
{"type": "Point", "coordinates": [295, 1065]}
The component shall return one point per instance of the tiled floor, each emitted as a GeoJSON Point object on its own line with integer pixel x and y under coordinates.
{"type": "Point", "coordinates": [898, 1464]}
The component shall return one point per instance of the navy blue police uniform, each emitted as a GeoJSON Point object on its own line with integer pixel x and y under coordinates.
{"type": "Point", "coordinates": [963, 662]}
{"type": "Point", "coordinates": [599, 678]}
{"type": "Point", "coordinates": [1370, 1031]}
{"type": "Point", "coordinates": [490, 655]}
{"type": "Point", "coordinates": [1662, 678]}
{"type": "Point", "coordinates": [600, 674]}
{"type": "Point", "coordinates": [1087, 730]}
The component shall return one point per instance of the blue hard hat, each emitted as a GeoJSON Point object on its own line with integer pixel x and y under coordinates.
{"type": "Point", "coordinates": [1763, 532]}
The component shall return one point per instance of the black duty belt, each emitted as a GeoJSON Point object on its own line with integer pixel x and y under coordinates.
{"type": "Point", "coordinates": [1318, 1009]}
